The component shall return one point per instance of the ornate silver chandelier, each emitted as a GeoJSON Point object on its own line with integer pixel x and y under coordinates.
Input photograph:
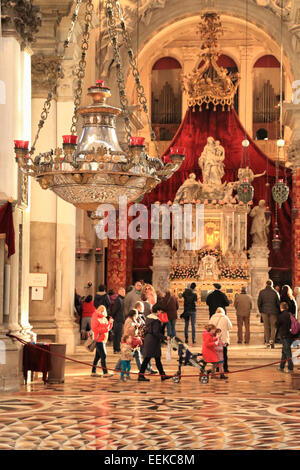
{"type": "Point", "coordinates": [96, 170]}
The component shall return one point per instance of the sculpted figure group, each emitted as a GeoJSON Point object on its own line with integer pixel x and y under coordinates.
{"type": "Point", "coordinates": [211, 163]}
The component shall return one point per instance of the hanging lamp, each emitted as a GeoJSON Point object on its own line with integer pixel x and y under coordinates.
{"type": "Point", "coordinates": [94, 169]}
{"type": "Point", "coordinates": [245, 190]}
{"type": "Point", "coordinates": [280, 190]}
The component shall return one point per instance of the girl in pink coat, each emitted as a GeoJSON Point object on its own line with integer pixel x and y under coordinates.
{"type": "Point", "coordinates": [209, 353]}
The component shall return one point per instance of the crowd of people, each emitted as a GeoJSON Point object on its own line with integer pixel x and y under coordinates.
{"type": "Point", "coordinates": [138, 321]}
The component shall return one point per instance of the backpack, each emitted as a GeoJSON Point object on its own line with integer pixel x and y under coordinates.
{"type": "Point", "coordinates": [295, 326]}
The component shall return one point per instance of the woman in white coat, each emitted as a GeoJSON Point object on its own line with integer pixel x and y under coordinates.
{"type": "Point", "coordinates": [221, 320]}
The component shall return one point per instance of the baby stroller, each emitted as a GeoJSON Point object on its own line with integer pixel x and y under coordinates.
{"type": "Point", "coordinates": [186, 358]}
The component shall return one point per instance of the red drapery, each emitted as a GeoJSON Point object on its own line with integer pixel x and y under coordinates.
{"type": "Point", "coordinates": [225, 126]}
{"type": "Point", "coordinates": [7, 226]}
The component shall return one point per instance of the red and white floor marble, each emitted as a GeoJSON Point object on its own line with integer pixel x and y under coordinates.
{"type": "Point", "coordinates": [251, 410]}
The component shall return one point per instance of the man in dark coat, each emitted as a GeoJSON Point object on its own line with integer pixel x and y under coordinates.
{"type": "Point", "coordinates": [189, 311]}
{"type": "Point", "coordinates": [152, 344]}
{"type": "Point", "coordinates": [216, 299]}
{"type": "Point", "coordinates": [284, 326]}
{"type": "Point", "coordinates": [102, 298]}
{"type": "Point", "coordinates": [269, 306]}
{"type": "Point", "coordinates": [169, 304]}
{"type": "Point", "coordinates": [117, 313]}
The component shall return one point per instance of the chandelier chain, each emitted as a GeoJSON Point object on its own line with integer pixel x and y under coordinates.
{"type": "Point", "coordinates": [53, 75]}
{"type": "Point", "coordinates": [135, 72]}
{"type": "Point", "coordinates": [80, 73]}
{"type": "Point", "coordinates": [113, 36]}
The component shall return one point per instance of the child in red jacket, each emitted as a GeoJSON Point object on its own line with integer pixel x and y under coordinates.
{"type": "Point", "coordinates": [209, 353]}
{"type": "Point", "coordinates": [100, 326]}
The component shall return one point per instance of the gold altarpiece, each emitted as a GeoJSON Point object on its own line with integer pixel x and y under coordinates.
{"type": "Point", "coordinates": [215, 250]}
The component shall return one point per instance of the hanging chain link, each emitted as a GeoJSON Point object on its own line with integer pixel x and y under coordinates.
{"type": "Point", "coordinates": [135, 72]}
{"type": "Point", "coordinates": [53, 76]}
{"type": "Point", "coordinates": [113, 36]}
{"type": "Point", "coordinates": [82, 63]}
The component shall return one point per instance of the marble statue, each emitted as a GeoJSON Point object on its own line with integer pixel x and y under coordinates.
{"type": "Point", "coordinates": [260, 225]}
{"type": "Point", "coordinates": [211, 163]}
{"type": "Point", "coordinates": [208, 268]}
{"type": "Point", "coordinates": [229, 189]}
{"type": "Point", "coordinates": [188, 191]}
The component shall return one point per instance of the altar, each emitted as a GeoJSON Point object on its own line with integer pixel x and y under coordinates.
{"type": "Point", "coordinates": [214, 197]}
{"type": "Point", "coordinates": [209, 234]}
{"type": "Point", "coordinates": [229, 286]}
{"type": "Point", "coordinates": [216, 253]}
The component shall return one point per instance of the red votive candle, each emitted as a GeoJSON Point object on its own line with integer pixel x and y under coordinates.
{"type": "Point", "coordinates": [140, 141]}
{"type": "Point", "coordinates": [21, 144]}
{"type": "Point", "coordinates": [100, 83]}
{"type": "Point", "coordinates": [167, 160]}
{"type": "Point", "coordinates": [177, 150]}
{"type": "Point", "coordinates": [280, 181]}
{"type": "Point", "coordinates": [69, 139]}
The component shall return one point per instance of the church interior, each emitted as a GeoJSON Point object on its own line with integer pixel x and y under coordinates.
{"type": "Point", "coordinates": [187, 110]}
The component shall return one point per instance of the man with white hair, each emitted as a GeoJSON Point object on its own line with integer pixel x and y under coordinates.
{"type": "Point", "coordinates": [221, 320]}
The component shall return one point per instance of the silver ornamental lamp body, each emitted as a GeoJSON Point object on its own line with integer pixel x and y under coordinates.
{"type": "Point", "coordinates": [96, 170]}
{"type": "Point", "coordinates": [280, 192]}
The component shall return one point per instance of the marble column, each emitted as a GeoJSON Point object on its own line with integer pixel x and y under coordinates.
{"type": "Point", "coordinates": [162, 259]}
{"type": "Point", "coordinates": [189, 62]}
{"type": "Point", "coordinates": [292, 119]}
{"type": "Point", "coordinates": [43, 227]}
{"type": "Point", "coordinates": [67, 329]}
{"type": "Point", "coordinates": [258, 271]}
{"type": "Point", "coordinates": [15, 120]}
{"type": "Point", "coordinates": [246, 89]}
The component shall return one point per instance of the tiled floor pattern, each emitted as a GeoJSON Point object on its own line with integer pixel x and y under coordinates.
{"type": "Point", "coordinates": [257, 410]}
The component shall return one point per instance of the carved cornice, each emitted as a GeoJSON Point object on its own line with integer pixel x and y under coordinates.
{"type": "Point", "coordinates": [44, 72]}
{"type": "Point", "coordinates": [20, 18]}
{"type": "Point", "coordinates": [276, 6]}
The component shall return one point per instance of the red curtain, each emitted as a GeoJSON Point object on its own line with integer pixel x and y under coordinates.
{"type": "Point", "coordinates": [225, 126]}
{"type": "Point", "coordinates": [7, 226]}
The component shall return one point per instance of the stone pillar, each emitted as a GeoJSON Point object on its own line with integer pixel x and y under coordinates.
{"type": "Point", "coordinates": [246, 89]}
{"type": "Point", "coordinates": [67, 329]}
{"type": "Point", "coordinates": [292, 119]}
{"type": "Point", "coordinates": [53, 222]}
{"type": "Point", "coordinates": [162, 259]}
{"type": "Point", "coordinates": [296, 225]}
{"type": "Point", "coordinates": [19, 23]}
{"type": "Point", "coordinates": [189, 58]}
{"type": "Point", "coordinates": [258, 271]}
{"type": "Point", "coordinates": [43, 216]}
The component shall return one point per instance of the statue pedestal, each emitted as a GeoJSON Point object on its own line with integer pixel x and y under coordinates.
{"type": "Point", "coordinates": [10, 363]}
{"type": "Point", "coordinates": [162, 258]}
{"type": "Point", "coordinates": [258, 270]}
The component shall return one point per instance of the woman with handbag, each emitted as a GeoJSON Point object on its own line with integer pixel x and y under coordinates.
{"type": "Point", "coordinates": [101, 327]}
{"type": "Point", "coordinates": [152, 344]}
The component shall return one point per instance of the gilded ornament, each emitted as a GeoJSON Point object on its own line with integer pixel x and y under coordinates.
{"type": "Point", "coordinates": [210, 83]}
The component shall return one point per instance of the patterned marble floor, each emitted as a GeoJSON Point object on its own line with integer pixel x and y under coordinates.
{"type": "Point", "coordinates": [252, 410]}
